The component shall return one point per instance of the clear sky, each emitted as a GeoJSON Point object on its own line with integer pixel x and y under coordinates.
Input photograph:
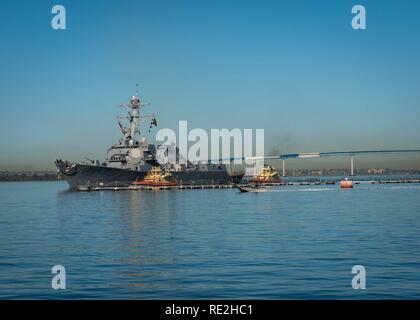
{"type": "Point", "coordinates": [295, 68]}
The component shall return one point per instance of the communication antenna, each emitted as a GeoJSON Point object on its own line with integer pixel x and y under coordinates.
{"type": "Point", "coordinates": [137, 89]}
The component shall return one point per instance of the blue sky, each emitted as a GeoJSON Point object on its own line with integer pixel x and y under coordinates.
{"type": "Point", "coordinates": [295, 68]}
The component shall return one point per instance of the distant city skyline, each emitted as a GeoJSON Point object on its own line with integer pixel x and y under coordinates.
{"type": "Point", "coordinates": [294, 68]}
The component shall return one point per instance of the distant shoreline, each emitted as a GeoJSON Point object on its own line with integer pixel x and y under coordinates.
{"type": "Point", "coordinates": [33, 176]}
{"type": "Point", "coordinates": [6, 176]}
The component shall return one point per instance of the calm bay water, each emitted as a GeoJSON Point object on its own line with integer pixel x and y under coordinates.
{"type": "Point", "coordinates": [292, 242]}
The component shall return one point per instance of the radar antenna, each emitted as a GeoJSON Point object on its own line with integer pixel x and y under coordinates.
{"type": "Point", "coordinates": [137, 89]}
{"type": "Point", "coordinates": [133, 117]}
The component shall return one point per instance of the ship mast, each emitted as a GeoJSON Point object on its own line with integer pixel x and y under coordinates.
{"type": "Point", "coordinates": [134, 115]}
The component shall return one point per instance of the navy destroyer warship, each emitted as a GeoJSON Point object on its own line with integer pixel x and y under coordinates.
{"type": "Point", "coordinates": [130, 160]}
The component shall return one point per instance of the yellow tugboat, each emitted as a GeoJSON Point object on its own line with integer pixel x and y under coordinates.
{"type": "Point", "coordinates": [157, 178]}
{"type": "Point", "coordinates": [268, 175]}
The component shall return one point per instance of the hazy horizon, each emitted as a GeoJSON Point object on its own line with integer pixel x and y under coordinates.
{"type": "Point", "coordinates": [294, 68]}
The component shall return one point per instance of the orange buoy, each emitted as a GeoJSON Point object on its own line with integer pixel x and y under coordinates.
{"type": "Point", "coordinates": [346, 184]}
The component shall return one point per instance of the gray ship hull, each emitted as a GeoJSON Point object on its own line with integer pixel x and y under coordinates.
{"type": "Point", "coordinates": [201, 177]}
{"type": "Point", "coordinates": [95, 176]}
{"type": "Point", "coordinates": [100, 176]}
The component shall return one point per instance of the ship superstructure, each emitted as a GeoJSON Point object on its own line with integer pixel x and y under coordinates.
{"type": "Point", "coordinates": [128, 152]}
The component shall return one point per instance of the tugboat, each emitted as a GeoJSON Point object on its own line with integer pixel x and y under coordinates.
{"type": "Point", "coordinates": [267, 176]}
{"type": "Point", "coordinates": [157, 178]}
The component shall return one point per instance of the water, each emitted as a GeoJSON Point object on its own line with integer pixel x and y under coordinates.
{"type": "Point", "coordinates": [291, 243]}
